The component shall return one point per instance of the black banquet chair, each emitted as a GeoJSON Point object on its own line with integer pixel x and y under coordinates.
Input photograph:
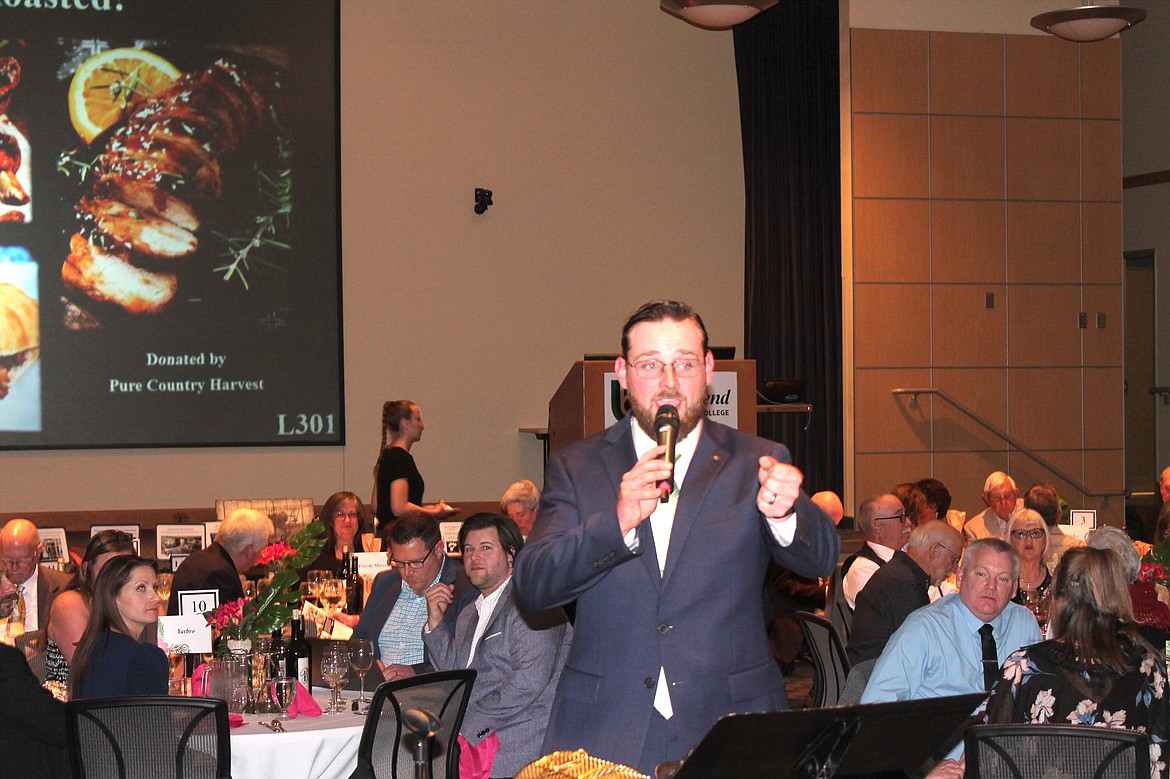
{"type": "Point", "coordinates": [1026, 751]}
{"type": "Point", "coordinates": [830, 663]}
{"type": "Point", "coordinates": [381, 753]}
{"type": "Point", "coordinates": [148, 736]}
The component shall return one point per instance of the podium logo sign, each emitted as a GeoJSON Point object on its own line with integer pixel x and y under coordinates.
{"type": "Point", "coordinates": [722, 405]}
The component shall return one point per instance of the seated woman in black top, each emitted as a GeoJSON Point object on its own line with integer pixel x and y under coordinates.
{"type": "Point", "coordinates": [345, 520]}
{"type": "Point", "coordinates": [111, 660]}
{"type": "Point", "coordinates": [398, 486]}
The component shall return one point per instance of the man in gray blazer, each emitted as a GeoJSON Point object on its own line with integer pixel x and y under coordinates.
{"type": "Point", "coordinates": [39, 585]}
{"type": "Point", "coordinates": [517, 655]}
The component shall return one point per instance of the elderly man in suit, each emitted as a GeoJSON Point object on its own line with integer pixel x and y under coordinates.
{"type": "Point", "coordinates": [1001, 496]}
{"type": "Point", "coordinates": [669, 633]}
{"type": "Point", "coordinates": [37, 585]}
{"type": "Point", "coordinates": [236, 548]}
{"type": "Point", "coordinates": [517, 655]}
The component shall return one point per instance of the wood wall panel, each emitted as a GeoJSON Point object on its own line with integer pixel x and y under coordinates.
{"type": "Point", "coordinates": [1026, 207]}
{"type": "Point", "coordinates": [1044, 407]}
{"type": "Point", "coordinates": [891, 325]}
{"type": "Point", "coordinates": [966, 157]}
{"type": "Point", "coordinates": [1043, 242]}
{"type": "Point", "coordinates": [984, 391]}
{"type": "Point", "coordinates": [1103, 345]}
{"type": "Point", "coordinates": [1104, 414]}
{"type": "Point", "coordinates": [1101, 254]}
{"type": "Point", "coordinates": [886, 422]}
{"type": "Point", "coordinates": [1043, 77]}
{"type": "Point", "coordinates": [965, 332]}
{"type": "Point", "coordinates": [879, 473]}
{"type": "Point", "coordinates": [1101, 80]}
{"type": "Point", "coordinates": [889, 71]}
{"type": "Point", "coordinates": [1043, 159]}
{"type": "Point", "coordinates": [1042, 325]}
{"type": "Point", "coordinates": [1101, 160]}
{"type": "Point", "coordinates": [967, 241]}
{"type": "Point", "coordinates": [891, 240]}
{"type": "Point", "coordinates": [889, 156]}
{"type": "Point", "coordinates": [966, 74]}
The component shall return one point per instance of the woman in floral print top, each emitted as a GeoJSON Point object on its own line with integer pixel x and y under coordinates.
{"type": "Point", "coordinates": [1096, 670]}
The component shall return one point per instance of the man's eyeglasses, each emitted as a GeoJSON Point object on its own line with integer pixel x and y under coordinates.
{"type": "Point", "coordinates": [21, 562]}
{"type": "Point", "coordinates": [954, 557]}
{"type": "Point", "coordinates": [1020, 535]}
{"type": "Point", "coordinates": [652, 369]}
{"type": "Point", "coordinates": [412, 564]}
{"type": "Point", "coordinates": [899, 517]}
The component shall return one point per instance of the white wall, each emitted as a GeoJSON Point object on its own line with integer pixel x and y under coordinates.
{"type": "Point", "coordinates": [610, 137]}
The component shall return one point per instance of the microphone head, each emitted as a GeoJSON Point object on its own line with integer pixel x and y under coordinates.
{"type": "Point", "coordinates": [421, 722]}
{"type": "Point", "coordinates": [667, 417]}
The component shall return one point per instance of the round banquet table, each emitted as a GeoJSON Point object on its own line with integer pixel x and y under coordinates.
{"type": "Point", "coordinates": [323, 747]}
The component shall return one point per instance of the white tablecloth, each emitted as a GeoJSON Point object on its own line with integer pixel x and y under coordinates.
{"type": "Point", "coordinates": [322, 747]}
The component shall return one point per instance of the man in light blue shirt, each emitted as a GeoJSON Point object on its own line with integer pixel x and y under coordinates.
{"type": "Point", "coordinates": [938, 649]}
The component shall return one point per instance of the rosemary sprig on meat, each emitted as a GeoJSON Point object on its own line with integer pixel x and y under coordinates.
{"type": "Point", "coordinates": [275, 188]}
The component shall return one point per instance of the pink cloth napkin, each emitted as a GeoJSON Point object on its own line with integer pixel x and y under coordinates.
{"type": "Point", "coordinates": [475, 762]}
{"type": "Point", "coordinates": [197, 677]}
{"type": "Point", "coordinates": [303, 703]}
{"type": "Point", "coordinates": [235, 720]}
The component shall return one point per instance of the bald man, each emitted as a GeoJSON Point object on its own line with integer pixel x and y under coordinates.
{"type": "Point", "coordinates": [830, 504]}
{"type": "Point", "coordinates": [20, 548]}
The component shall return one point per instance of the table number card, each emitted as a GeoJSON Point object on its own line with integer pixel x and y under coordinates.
{"type": "Point", "coordinates": [187, 634]}
{"type": "Point", "coordinates": [195, 602]}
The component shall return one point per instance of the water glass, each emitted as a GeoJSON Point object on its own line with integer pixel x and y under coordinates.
{"type": "Point", "coordinates": [283, 690]}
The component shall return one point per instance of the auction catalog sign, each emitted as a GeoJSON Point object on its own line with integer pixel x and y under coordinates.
{"type": "Point", "coordinates": [169, 223]}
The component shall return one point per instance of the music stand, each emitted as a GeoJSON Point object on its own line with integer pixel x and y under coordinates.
{"type": "Point", "coordinates": [833, 741]}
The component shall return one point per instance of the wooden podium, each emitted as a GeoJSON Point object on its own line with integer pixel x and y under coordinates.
{"type": "Point", "coordinates": [577, 408]}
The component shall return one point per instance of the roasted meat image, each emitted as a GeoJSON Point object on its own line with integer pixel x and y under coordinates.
{"type": "Point", "coordinates": [11, 192]}
{"type": "Point", "coordinates": [152, 180]}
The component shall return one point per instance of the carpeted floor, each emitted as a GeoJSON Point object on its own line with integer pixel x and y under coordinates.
{"type": "Point", "coordinates": [798, 683]}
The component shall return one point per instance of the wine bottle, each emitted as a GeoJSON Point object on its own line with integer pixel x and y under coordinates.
{"type": "Point", "coordinates": [299, 654]}
{"type": "Point", "coordinates": [354, 587]}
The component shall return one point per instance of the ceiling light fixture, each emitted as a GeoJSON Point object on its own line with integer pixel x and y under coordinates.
{"type": "Point", "coordinates": [715, 14]}
{"type": "Point", "coordinates": [1089, 23]}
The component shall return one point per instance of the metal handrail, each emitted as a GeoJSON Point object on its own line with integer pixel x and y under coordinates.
{"type": "Point", "coordinates": [914, 392]}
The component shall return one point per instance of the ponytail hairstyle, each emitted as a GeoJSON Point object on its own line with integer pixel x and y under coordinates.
{"type": "Point", "coordinates": [104, 615]}
{"type": "Point", "coordinates": [1092, 616]}
{"type": "Point", "coordinates": [102, 542]}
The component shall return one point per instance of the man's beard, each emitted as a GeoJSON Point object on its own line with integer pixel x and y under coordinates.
{"type": "Point", "coordinates": [689, 415]}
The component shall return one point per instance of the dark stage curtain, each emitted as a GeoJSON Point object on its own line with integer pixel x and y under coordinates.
{"type": "Point", "coordinates": [787, 62]}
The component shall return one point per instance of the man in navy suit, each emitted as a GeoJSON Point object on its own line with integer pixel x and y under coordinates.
{"type": "Point", "coordinates": [669, 632]}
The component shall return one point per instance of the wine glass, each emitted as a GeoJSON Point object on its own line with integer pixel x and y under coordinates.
{"type": "Point", "coordinates": [361, 658]}
{"type": "Point", "coordinates": [283, 690]}
{"type": "Point", "coordinates": [164, 589]}
{"type": "Point", "coordinates": [315, 578]}
{"type": "Point", "coordinates": [335, 670]}
{"type": "Point", "coordinates": [332, 592]}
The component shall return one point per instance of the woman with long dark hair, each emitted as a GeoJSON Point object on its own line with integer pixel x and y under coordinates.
{"type": "Point", "coordinates": [70, 612]}
{"type": "Point", "coordinates": [345, 519]}
{"type": "Point", "coordinates": [111, 658]}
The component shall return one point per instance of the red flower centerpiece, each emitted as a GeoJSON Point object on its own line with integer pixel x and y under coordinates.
{"type": "Point", "coordinates": [246, 618]}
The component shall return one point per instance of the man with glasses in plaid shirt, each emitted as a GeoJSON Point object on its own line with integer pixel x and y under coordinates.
{"type": "Point", "coordinates": [394, 615]}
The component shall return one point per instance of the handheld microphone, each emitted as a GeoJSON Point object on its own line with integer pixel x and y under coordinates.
{"type": "Point", "coordinates": [666, 434]}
